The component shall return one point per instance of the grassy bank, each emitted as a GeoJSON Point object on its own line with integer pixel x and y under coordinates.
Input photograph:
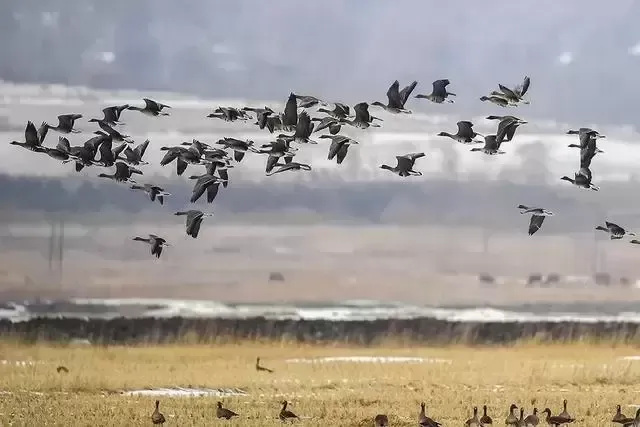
{"type": "Point", "coordinates": [450, 380]}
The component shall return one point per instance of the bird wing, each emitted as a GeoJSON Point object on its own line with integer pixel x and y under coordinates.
{"type": "Point", "coordinates": [341, 110]}
{"type": "Point", "coordinates": [465, 129]}
{"type": "Point", "coordinates": [31, 134]}
{"type": "Point", "coordinates": [122, 170]}
{"type": "Point", "coordinates": [440, 87]}
{"type": "Point", "coordinates": [333, 149]}
{"type": "Point", "coordinates": [522, 89]}
{"type": "Point", "coordinates": [325, 123]}
{"type": "Point", "coordinates": [119, 149]}
{"type": "Point", "coordinates": [535, 223]}
{"type": "Point", "coordinates": [181, 166]}
{"type": "Point", "coordinates": [169, 157]}
{"type": "Point", "coordinates": [303, 126]}
{"type": "Point", "coordinates": [271, 162]}
{"type": "Point", "coordinates": [587, 153]}
{"type": "Point", "coordinates": [290, 117]}
{"type": "Point", "coordinates": [508, 92]}
{"type": "Point", "coordinates": [491, 143]}
{"type": "Point", "coordinates": [212, 191]}
{"type": "Point", "coordinates": [106, 154]}
{"type": "Point", "coordinates": [404, 163]}
{"type": "Point", "coordinates": [42, 132]}
{"type": "Point", "coordinates": [65, 121]}
{"type": "Point", "coordinates": [63, 145]}
{"type": "Point", "coordinates": [414, 156]}
{"type": "Point", "coordinates": [140, 149]}
{"type": "Point", "coordinates": [199, 188]}
{"type": "Point", "coordinates": [503, 128]}
{"type": "Point", "coordinates": [406, 92]}
{"type": "Point", "coordinates": [150, 104]}
{"type": "Point", "coordinates": [342, 153]}
{"type": "Point", "coordinates": [393, 95]}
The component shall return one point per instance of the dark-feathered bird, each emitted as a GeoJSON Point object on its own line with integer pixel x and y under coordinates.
{"type": "Point", "coordinates": [491, 146]}
{"type": "Point", "coordinates": [515, 95]}
{"type": "Point", "coordinates": [207, 182]}
{"type": "Point", "coordinates": [134, 156]}
{"type": "Point", "coordinates": [439, 92]}
{"type": "Point", "coordinates": [66, 122]}
{"type": "Point", "coordinates": [156, 416]}
{"type": "Point", "coordinates": [122, 174]}
{"type": "Point", "coordinates": [112, 115]}
{"type": "Point", "coordinates": [465, 133]}
{"type": "Point", "coordinates": [157, 243]}
{"type": "Point", "coordinates": [153, 191]}
{"type": "Point", "coordinates": [614, 230]}
{"type": "Point", "coordinates": [582, 179]}
{"type": "Point", "coordinates": [339, 146]}
{"type": "Point", "coordinates": [397, 98]}
{"type": "Point", "coordinates": [151, 108]}
{"type": "Point", "coordinates": [404, 166]}
{"type": "Point", "coordinates": [507, 127]}
{"type": "Point", "coordinates": [194, 220]}
{"type": "Point", "coordinates": [286, 414]}
{"type": "Point", "coordinates": [225, 413]}
{"type": "Point", "coordinates": [33, 138]}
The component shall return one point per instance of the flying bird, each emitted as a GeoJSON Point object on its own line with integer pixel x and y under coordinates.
{"type": "Point", "coordinates": [397, 98]}
{"type": "Point", "coordinates": [157, 243]}
{"type": "Point", "coordinates": [194, 220]}
{"type": "Point", "coordinates": [465, 133]}
{"type": "Point", "coordinates": [439, 93]}
{"type": "Point", "coordinates": [151, 108]}
{"type": "Point", "coordinates": [537, 217]}
{"type": "Point", "coordinates": [404, 165]}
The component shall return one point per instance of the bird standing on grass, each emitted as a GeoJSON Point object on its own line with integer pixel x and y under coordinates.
{"type": "Point", "coordinates": [157, 417]}
{"type": "Point", "coordinates": [225, 413]}
{"type": "Point", "coordinates": [260, 368]}
{"type": "Point", "coordinates": [286, 414]}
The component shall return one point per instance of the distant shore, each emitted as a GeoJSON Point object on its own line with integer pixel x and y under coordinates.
{"type": "Point", "coordinates": [427, 331]}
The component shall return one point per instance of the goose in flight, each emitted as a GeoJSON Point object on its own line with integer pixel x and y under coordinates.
{"type": "Point", "coordinates": [276, 149]}
{"type": "Point", "coordinates": [61, 151]}
{"type": "Point", "coordinates": [307, 101]}
{"type": "Point", "coordinates": [491, 146]}
{"type": "Point", "coordinates": [261, 115]}
{"type": "Point", "coordinates": [225, 413]}
{"type": "Point", "coordinates": [194, 220]}
{"type": "Point", "coordinates": [614, 230]}
{"type": "Point", "coordinates": [238, 146]}
{"type": "Point", "coordinates": [439, 92]}
{"type": "Point", "coordinates": [465, 133]}
{"type": "Point", "coordinates": [507, 127]}
{"type": "Point", "coordinates": [229, 114]}
{"type": "Point", "coordinates": [537, 217]}
{"type": "Point", "coordinates": [404, 166]}
{"type": "Point", "coordinates": [339, 146]}
{"type": "Point", "coordinates": [183, 156]}
{"type": "Point", "coordinates": [583, 131]}
{"type": "Point", "coordinates": [363, 119]}
{"type": "Point", "coordinates": [134, 156]}
{"type": "Point", "coordinates": [495, 98]}
{"type": "Point", "coordinates": [153, 191]}
{"type": "Point", "coordinates": [397, 98]}
{"type": "Point", "coordinates": [122, 174]}
{"type": "Point", "coordinates": [33, 137]}
{"type": "Point", "coordinates": [85, 154]}
{"type": "Point", "coordinates": [582, 179]}
{"type": "Point", "coordinates": [588, 151]}
{"type": "Point", "coordinates": [108, 154]}
{"type": "Point", "coordinates": [66, 122]}
{"type": "Point", "coordinates": [112, 114]}
{"type": "Point", "coordinates": [340, 111]}
{"type": "Point", "coordinates": [333, 124]}
{"type": "Point", "coordinates": [156, 243]}
{"type": "Point", "coordinates": [516, 94]}
{"type": "Point", "coordinates": [115, 135]}
{"type": "Point", "coordinates": [304, 129]}
{"type": "Point", "coordinates": [207, 182]}
{"type": "Point", "coordinates": [289, 118]}
{"type": "Point", "coordinates": [289, 165]}
{"type": "Point", "coordinates": [151, 108]}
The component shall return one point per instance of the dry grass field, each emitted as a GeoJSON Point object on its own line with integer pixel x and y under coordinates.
{"type": "Point", "coordinates": [450, 380]}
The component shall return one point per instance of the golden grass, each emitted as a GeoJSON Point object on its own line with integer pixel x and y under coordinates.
{"type": "Point", "coordinates": [336, 394]}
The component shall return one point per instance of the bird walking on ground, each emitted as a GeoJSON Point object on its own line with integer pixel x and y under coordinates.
{"type": "Point", "coordinates": [156, 416]}
{"type": "Point", "coordinates": [286, 414]}
{"type": "Point", "coordinates": [261, 368]}
{"type": "Point", "coordinates": [424, 420]}
{"type": "Point", "coordinates": [555, 420]}
{"type": "Point", "coordinates": [157, 243]}
{"type": "Point", "coordinates": [225, 413]}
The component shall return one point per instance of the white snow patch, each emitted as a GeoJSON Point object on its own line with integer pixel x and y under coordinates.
{"type": "Point", "coordinates": [368, 359]}
{"type": "Point", "coordinates": [187, 392]}
{"type": "Point", "coordinates": [18, 362]}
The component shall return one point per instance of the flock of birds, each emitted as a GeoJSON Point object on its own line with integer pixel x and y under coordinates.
{"type": "Point", "coordinates": [293, 125]}
{"type": "Point", "coordinates": [382, 420]}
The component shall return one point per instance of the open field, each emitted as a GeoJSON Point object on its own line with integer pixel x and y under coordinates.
{"type": "Point", "coordinates": [450, 380]}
